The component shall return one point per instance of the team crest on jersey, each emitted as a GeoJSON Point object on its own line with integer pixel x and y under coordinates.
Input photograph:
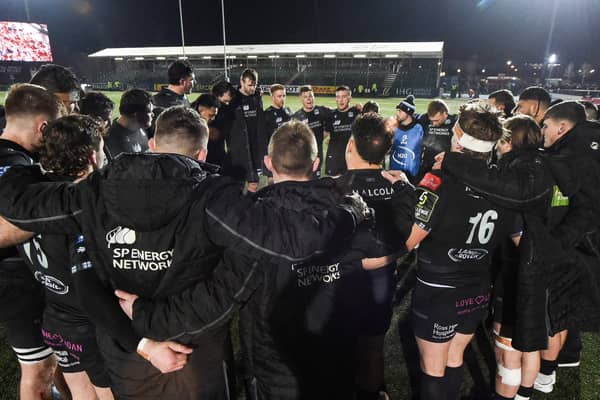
{"type": "Point", "coordinates": [351, 114]}
{"type": "Point", "coordinates": [120, 235]}
{"type": "Point", "coordinates": [4, 169]}
{"type": "Point", "coordinates": [278, 120]}
{"type": "Point", "coordinates": [594, 145]}
{"type": "Point", "coordinates": [336, 123]}
{"type": "Point", "coordinates": [425, 205]}
{"type": "Point", "coordinates": [245, 107]}
{"type": "Point", "coordinates": [431, 181]}
{"type": "Point", "coordinates": [460, 255]}
{"type": "Point", "coordinates": [316, 111]}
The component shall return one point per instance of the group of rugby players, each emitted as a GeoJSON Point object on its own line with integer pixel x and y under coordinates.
{"type": "Point", "coordinates": [138, 240]}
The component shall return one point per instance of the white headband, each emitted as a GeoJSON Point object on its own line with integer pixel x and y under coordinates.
{"type": "Point", "coordinates": [473, 144]}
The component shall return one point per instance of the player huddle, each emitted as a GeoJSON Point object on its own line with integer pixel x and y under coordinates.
{"type": "Point", "coordinates": [136, 241]}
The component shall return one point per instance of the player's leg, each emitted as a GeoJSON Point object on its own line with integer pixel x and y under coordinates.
{"type": "Point", "coordinates": [36, 359]}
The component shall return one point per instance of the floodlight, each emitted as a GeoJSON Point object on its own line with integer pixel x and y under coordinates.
{"type": "Point", "coordinates": [392, 56]}
{"type": "Point", "coordinates": [139, 58]}
{"type": "Point", "coordinates": [552, 59]}
{"type": "Point", "coordinates": [300, 55]}
{"type": "Point", "coordinates": [360, 56]}
{"type": "Point", "coordinates": [328, 55]}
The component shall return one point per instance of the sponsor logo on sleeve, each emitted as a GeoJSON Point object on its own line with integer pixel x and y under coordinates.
{"type": "Point", "coordinates": [426, 204]}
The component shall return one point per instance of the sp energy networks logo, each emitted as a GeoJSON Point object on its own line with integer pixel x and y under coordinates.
{"type": "Point", "coordinates": [125, 256]}
{"type": "Point", "coordinates": [120, 235]}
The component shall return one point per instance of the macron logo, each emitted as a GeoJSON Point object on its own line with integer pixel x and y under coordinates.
{"type": "Point", "coordinates": [120, 235]}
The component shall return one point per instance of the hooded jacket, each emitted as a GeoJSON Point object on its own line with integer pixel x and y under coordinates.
{"type": "Point", "coordinates": [155, 225]}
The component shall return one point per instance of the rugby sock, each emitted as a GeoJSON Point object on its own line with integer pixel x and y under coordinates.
{"type": "Point", "coordinates": [432, 387]}
{"type": "Point", "coordinates": [524, 393]}
{"type": "Point", "coordinates": [500, 397]}
{"type": "Point", "coordinates": [454, 377]}
{"type": "Point", "coordinates": [548, 367]}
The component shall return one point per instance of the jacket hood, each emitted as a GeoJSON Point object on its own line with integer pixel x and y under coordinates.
{"type": "Point", "coordinates": [299, 196]}
{"type": "Point", "coordinates": [147, 191]}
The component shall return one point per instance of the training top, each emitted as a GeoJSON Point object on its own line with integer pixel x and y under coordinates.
{"type": "Point", "coordinates": [339, 126]}
{"type": "Point", "coordinates": [316, 119]}
{"type": "Point", "coordinates": [464, 229]}
{"type": "Point", "coordinates": [122, 140]}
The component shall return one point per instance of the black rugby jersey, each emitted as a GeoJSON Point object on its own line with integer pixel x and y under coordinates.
{"type": "Point", "coordinates": [274, 118]}
{"type": "Point", "coordinates": [49, 257]}
{"type": "Point", "coordinates": [316, 119]}
{"type": "Point", "coordinates": [464, 229]}
{"type": "Point", "coordinates": [339, 127]}
{"type": "Point", "coordinates": [436, 139]}
{"type": "Point", "coordinates": [392, 226]}
{"type": "Point", "coordinates": [122, 140]}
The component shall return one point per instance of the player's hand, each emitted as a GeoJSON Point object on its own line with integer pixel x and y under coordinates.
{"type": "Point", "coordinates": [359, 107]}
{"type": "Point", "coordinates": [394, 176]}
{"type": "Point", "coordinates": [439, 160]}
{"type": "Point", "coordinates": [126, 301]}
{"type": "Point", "coordinates": [166, 356]}
{"type": "Point", "coordinates": [356, 206]}
{"type": "Point", "coordinates": [252, 187]}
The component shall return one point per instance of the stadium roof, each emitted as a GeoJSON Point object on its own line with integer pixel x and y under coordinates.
{"type": "Point", "coordinates": [342, 50]}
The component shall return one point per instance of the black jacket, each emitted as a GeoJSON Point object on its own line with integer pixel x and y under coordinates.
{"type": "Point", "coordinates": [246, 153]}
{"type": "Point", "coordinates": [156, 225]}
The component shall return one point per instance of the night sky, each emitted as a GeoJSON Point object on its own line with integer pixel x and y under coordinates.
{"type": "Point", "coordinates": [486, 31]}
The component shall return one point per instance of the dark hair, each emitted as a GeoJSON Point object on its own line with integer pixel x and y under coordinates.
{"type": "Point", "coordinates": [343, 87]}
{"type": "Point", "coordinates": [591, 110]}
{"type": "Point", "coordinates": [182, 127]}
{"type": "Point", "coordinates": [179, 70]}
{"type": "Point", "coordinates": [437, 106]}
{"type": "Point", "coordinates": [222, 87]}
{"type": "Point", "coordinates": [482, 122]}
{"type": "Point", "coordinates": [27, 99]}
{"type": "Point", "coordinates": [56, 79]}
{"type": "Point", "coordinates": [536, 94]}
{"type": "Point", "coordinates": [134, 101]}
{"type": "Point", "coordinates": [293, 149]}
{"type": "Point", "coordinates": [371, 138]}
{"type": "Point", "coordinates": [571, 111]}
{"type": "Point", "coordinates": [524, 131]}
{"type": "Point", "coordinates": [206, 100]}
{"type": "Point", "coordinates": [506, 98]}
{"type": "Point", "coordinates": [249, 73]}
{"type": "Point", "coordinates": [97, 105]}
{"type": "Point", "coordinates": [275, 87]}
{"type": "Point", "coordinates": [370, 106]}
{"type": "Point", "coordinates": [67, 144]}
{"type": "Point", "coordinates": [305, 88]}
